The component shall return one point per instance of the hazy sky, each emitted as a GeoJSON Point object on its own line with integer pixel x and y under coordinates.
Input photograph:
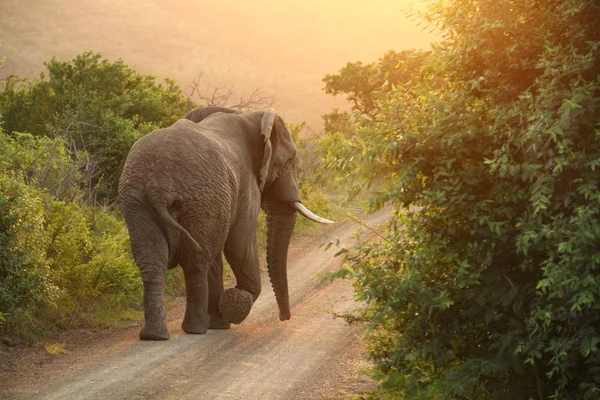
{"type": "Point", "coordinates": [285, 47]}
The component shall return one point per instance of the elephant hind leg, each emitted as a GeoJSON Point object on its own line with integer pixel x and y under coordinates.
{"type": "Point", "coordinates": [151, 253]}
{"type": "Point", "coordinates": [196, 318]}
{"type": "Point", "coordinates": [198, 266]}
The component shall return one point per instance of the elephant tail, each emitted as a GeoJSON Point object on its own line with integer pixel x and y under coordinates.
{"type": "Point", "coordinates": [167, 219]}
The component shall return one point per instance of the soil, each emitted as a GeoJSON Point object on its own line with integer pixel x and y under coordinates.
{"type": "Point", "coordinates": [311, 356]}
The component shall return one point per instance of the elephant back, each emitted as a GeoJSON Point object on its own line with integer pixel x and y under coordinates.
{"type": "Point", "coordinates": [199, 114]}
{"type": "Point", "coordinates": [179, 159]}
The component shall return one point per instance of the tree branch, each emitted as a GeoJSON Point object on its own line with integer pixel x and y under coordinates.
{"type": "Point", "coordinates": [220, 95]}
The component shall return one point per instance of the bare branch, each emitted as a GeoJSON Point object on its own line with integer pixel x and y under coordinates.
{"type": "Point", "coordinates": [220, 95]}
{"type": "Point", "coordinates": [193, 87]}
{"type": "Point", "coordinates": [258, 99]}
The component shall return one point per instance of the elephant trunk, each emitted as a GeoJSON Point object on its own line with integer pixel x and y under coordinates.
{"type": "Point", "coordinates": [280, 225]}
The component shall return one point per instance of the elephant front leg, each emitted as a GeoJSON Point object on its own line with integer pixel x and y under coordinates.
{"type": "Point", "coordinates": [215, 289]}
{"type": "Point", "coordinates": [155, 327]}
{"type": "Point", "coordinates": [196, 317]}
{"type": "Point", "coordinates": [240, 250]}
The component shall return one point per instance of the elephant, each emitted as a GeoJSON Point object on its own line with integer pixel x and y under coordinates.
{"type": "Point", "coordinates": [192, 191]}
{"type": "Point", "coordinates": [200, 114]}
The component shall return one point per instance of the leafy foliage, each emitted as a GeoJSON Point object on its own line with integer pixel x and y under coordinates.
{"type": "Point", "coordinates": [487, 286]}
{"type": "Point", "coordinates": [98, 106]}
{"type": "Point", "coordinates": [359, 81]}
{"type": "Point", "coordinates": [24, 279]}
{"type": "Point", "coordinates": [60, 260]}
{"type": "Point", "coordinates": [339, 122]}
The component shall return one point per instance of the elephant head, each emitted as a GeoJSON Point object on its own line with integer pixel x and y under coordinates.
{"type": "Point", "coordinates": [280, 199]}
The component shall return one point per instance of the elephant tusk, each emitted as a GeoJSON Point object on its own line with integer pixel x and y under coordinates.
{"type": "Point", "coordinates": [309, 214]}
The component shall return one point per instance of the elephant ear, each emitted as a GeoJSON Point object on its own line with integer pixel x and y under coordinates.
{"type": "Point", "coordinates": [279, 147]}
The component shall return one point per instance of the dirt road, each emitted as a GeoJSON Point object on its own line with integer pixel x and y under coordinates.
{"type": "Point", "coordinates": [311, 356]}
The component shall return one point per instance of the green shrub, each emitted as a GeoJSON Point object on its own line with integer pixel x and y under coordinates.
{"type": "Point", "coordinates": [62, 262]}
{"type": "Point", "coordinates": [90, 258]}
{"type": "Point", "coordinates": [25, 277]}
{"type": "Point", "coordinates": [488, 288]}
{"type": "Point", "coordinates": [42, 163]}
{"type": "Point", "coordinates": [98, 106]}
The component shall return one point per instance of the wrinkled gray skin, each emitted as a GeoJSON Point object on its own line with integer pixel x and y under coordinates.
{"type": "Point", "coordinates": [192, 191]}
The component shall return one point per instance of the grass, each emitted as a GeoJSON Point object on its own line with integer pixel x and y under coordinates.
{"type": "Point", "coordinates": [55, 348]}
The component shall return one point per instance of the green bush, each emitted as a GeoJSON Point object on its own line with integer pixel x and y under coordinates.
{"type": "Point", "coordinates": [489, 286]}
{"type": "Point", "coordinates": [42, 163]}
{"type": "Point", "coordinates": [62, 262]}
{"type": "Point", "coordinates": [90, 259]}
{"type": "Point", "coordinates": [98, 106]}
{"type": "Point", "coordinates": [25, 277]}
{"type": "Point", "coordinates": [322, 190]}
{"type": "Point", "coordinates": [360, 82]}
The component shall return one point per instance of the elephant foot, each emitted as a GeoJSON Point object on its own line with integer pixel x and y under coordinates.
{"type": "Point", "coordinates": [217, 322]}
{"type": "Point", "coordinates": [154, 333]}
{"type": "Point", "coordinates": [235, 305]}
{"type": "Point", "coordinates": [190, 326]}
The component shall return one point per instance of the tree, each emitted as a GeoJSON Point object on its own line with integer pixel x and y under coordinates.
{"type": "Point", "coordinates": [362, 82]}
{"type": "Point", "coordinates": [488, 286]}
{"type": "Point", "coordinates": [98, 106]}
{"type": "Point", "coordinates": [339, 122]}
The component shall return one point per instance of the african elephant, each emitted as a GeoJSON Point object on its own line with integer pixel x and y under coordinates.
{"type": "Point", "coordinates": [200, 114]}
{"type": "Point", "coordinates": [192, 191]}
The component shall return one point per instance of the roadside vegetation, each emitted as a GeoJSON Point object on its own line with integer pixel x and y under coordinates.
{"type": "Point", "coordinates": [64, 251]}
{"type": "Point", "coordinates": [487, 282]}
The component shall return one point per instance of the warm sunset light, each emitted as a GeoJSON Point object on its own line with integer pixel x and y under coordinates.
{"type": "Point", "coordinates": [299, 199]}
{"type": "Point", "coordinates": [285, 47]}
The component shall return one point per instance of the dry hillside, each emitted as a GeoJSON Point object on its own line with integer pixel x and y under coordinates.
{"type": "Point", "coordinates": [286, 47]}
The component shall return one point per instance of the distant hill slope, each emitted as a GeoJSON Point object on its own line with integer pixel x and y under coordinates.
{"type": "Point", "coordinates": [284, 48]}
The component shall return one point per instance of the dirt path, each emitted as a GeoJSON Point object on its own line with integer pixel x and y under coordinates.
{"type": "Point", "coordinates": [311, 356]}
